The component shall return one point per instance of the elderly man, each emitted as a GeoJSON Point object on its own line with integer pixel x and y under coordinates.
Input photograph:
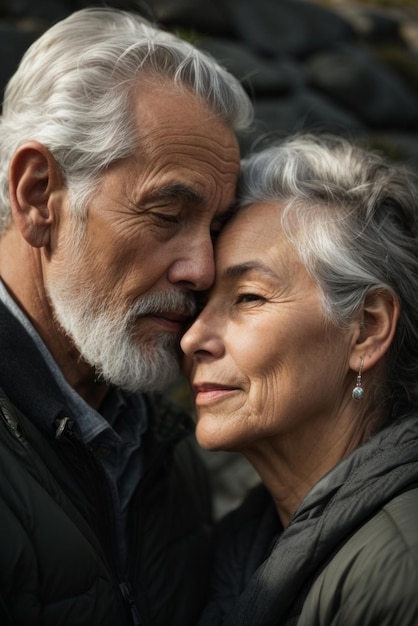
{"type": "Point", "coordinates": [118, 163]}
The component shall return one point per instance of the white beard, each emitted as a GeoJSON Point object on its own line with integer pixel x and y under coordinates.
{"type": "Point", "coordinates": [109, 340]}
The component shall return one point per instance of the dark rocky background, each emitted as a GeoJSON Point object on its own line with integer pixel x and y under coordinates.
{"type": "Point", "coordinates": [336, 66]}
{"type": "Point", "coordinates": [340, 67]}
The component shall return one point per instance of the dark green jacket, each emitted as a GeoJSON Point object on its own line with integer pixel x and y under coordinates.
{"type": "Point", "coordinates": [373, 577]}
{"type": "Point", "coordinates": [57, 563]}
{"type": "Point", "coordinates": [349, 556]}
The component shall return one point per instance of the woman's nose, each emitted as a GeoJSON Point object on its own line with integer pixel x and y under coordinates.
{"type": "Point", "coordinates": [202, 340]}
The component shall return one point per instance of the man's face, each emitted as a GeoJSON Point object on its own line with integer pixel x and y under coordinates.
{"type": "Point", "coordinates": [124, 293]}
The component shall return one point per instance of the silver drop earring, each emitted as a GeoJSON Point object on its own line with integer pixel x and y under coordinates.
{"type": "Point", "coordinates": [358, 391]}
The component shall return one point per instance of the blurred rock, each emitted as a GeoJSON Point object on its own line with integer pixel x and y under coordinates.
{"type": "Point", "coordinates": [290, 27]}
{"type": "Point", "coordinates": [258, 74]}
{"type": "Point", "coordinates": [361, 84]}
{"type": "Point", "coordinates": [231, 477]}
{"type": "Point", "coordinates": [47, 10]}
{"type": "Point", "coordinates": [410, 34]}
{"type": "Point", "coordinates": [14, 41]}
{"type": "Point", "coordinates": [302, 110]}
{"type": "Point", "coordinates": [203, 16]}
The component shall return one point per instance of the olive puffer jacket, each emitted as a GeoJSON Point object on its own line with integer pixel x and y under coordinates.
{"type": "Point", "coordinates": [349, 556]}
{"type": "Point", "coordinates": [57, 552]}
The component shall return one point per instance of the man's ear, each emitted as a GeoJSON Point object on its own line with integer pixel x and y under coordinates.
{"type": "Point", "coordinates": [376, 329]}
{"type": "Point", "coordinates": [34, 176]}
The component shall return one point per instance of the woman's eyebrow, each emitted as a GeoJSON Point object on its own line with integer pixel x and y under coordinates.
{"type": "Point", "coordinates": [241, 269]}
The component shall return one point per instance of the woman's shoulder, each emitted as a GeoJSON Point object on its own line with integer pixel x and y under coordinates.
{"type": "Point", "coordinates": [372, 578]}
{"type": "Point", "coordinates": [391, 534]}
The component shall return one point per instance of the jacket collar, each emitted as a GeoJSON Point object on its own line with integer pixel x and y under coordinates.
{"type": "Point", "coordinates": [24, 375]}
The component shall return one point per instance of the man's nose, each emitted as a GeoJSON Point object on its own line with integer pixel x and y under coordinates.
{"type": "Point", "coordinates": [195, 268]}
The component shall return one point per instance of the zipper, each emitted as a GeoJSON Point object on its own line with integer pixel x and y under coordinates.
{"type": "Point", "coordinates": [126, 591]}
{"type": "Point", "coordinates": [65, 432]}
{"type": "Point", "coordinates": [156, 457]}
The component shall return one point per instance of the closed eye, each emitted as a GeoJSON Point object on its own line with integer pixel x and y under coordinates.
{"type": "Point", "coordinates": [249, 297]}
{"type": "Point", "coordinates": [165, 217]}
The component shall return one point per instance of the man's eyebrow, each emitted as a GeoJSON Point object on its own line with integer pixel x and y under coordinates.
{"type": "Point", "coordinates": [174, 191]}
{"type": "Point", "coordinates": [239, 270]}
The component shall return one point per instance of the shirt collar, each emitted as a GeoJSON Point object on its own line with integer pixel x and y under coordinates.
{"type": "Point", "coordinates": [90, 422]}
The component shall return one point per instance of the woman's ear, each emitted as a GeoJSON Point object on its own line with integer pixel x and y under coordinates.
{"type": "Point", "coordinates": [376, 329]}
{"type": "Point", "coordinates": [34, 176]}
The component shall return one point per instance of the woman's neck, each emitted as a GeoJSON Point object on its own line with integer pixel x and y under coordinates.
{"type": "Point", "coordinates": [291, 464]}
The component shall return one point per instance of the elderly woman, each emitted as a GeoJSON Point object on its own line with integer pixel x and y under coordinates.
{"type": "Point", "coordinates": [305, 360]}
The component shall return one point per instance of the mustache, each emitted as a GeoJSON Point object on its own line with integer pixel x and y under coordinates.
{"type": "Point", "coordinates": [165, 302]}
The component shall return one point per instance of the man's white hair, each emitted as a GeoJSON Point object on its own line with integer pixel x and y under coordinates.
{"type": "Point", "coordinates": [72, 93]}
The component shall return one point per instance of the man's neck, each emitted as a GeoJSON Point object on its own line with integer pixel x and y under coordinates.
{"type": "Point", "coordinates": [22, 274]}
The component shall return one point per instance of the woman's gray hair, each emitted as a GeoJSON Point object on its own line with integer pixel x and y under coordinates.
{"type": "Point", "coordinates": [72, 93]}
{"type": "Point", "coordinates": [353, 218]}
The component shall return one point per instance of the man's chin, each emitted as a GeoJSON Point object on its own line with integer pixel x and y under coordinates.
{"type": "Point", "coordinates": [153, 370]}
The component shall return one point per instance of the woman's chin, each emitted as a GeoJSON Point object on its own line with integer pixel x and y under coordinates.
{"type": "Point", "coordinates": [213, 440]}
{"type": "Point", "coordinates": [210, 444]}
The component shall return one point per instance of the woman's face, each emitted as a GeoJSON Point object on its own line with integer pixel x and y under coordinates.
{"type": "Point", "coordinates": [262, 359]}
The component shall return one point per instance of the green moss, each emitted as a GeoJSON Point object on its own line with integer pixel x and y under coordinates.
{"type": "Point", "coordinates": [403, 64]}
{"type": "Point", "coordinates": [385, 147]}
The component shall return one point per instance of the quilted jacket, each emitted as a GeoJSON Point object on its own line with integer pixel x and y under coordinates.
{"type": "Point", "coordinates": [57, 546]}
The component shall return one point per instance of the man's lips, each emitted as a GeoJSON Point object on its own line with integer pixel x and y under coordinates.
{"type": "Point", "coordinates": [206, 392]}
{"type": "Point", "coordinates": [170, 320]}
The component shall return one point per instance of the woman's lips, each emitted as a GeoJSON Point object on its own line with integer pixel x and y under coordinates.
{"type": "Point", "coordinates": [206, 393]}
